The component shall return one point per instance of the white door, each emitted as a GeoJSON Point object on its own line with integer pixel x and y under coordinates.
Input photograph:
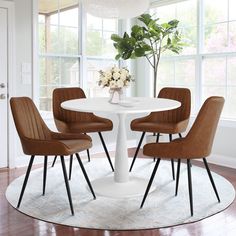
{"type": "Point", "coordinates": [3, 87]}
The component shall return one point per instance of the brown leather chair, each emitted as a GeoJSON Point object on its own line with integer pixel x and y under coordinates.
{"type": "Point", "coordinates": [197, 144]}
{"type": "Point", "coordinates": [78, 122]}
{"type": "Point", "coordinates": [37, 139]}
{"type": "Point", "coordinates": [166, 122]}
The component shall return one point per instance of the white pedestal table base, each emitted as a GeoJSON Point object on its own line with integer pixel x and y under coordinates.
{"type": "Point", "coordinates": [109, 188]}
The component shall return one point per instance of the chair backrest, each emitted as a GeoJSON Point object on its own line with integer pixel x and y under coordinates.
{"type": "Point", "coordinates": [28, 122]}
{"type": "Point", "coordinates": [63, 94]}
{"type": "Point", "coordinates": [203, 131]}
{"type": "Point", "coordinates": [182, 95]}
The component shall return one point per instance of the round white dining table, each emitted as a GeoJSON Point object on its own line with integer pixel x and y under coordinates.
{"type": "Point", "coordinates": [122, 184]}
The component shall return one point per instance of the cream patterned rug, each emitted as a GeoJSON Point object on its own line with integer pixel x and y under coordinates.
{"type": "Point", "coordinates": [161, 209]}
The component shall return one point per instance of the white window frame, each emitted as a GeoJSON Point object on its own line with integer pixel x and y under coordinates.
{"type": "Point", "coordinates": [200, 56]}
{"type": "Point", "coordinates": [82, 57]}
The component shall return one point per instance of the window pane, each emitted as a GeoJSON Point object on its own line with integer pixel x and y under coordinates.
{"type": "Point", "coordinates": [232, 36]}
{"type": "Point", "coordinates": [214, 72]}
{"type": "Point", "coordinates": [94, 23]}
{"type": "Point", "coordinates": [213, 91]}
{"type": "Point", "coordinates": [185, 72]}
{"type": "Point", "coordinates": [166, 73]}
{"type": "Point", "coordinates": [110, 25]}
{"type": "Point", "coordinates": [69, 17]}
{"type": "Point", "coordinates": [189, 36]}
{"type": "Point", "coordinates": [216, 38]}
{"type": "Point", "coordinates": [232, 7]}
{"type": "Point", "coordinates": [180, 73]}
{"type": "Point", "coordinates": [54, 73]}
{"type": "Point", "coordinates": [53, 19]}
{"type": "Point", "coordinates": [69, 40]}
{"type": "Point", "coordinates": [69, 72]}
{"type": "Point", "coordinates": [215, 11]}
{"type": "Point", "coordinates": [52, 39]}
{"type": "Point", "coordinates": [231, 72]}
{"type": "Point", "coordinates": [98, 41]}
{"type": "Point", "coordinates": [186, 13]}
{"type": "Point", "coordinates": [165, 13]}
{"type": "Point", "coordinates": [41, 38]}
{"type": "Point", "coordinates": [49, 78]}
{"type": "Point", "coordinates": [94, 43]}
{"type": "Point", "coordinates": [93, 67]}
{"type": "Point", "coordinates": [41, 18]}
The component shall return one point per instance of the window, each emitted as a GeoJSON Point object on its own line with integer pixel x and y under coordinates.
{"type": "Point", "coordinates": [64, 59]}
{"type": "Point", "coordinates": [207, 64]}
{"type": "Point", "coordinates": [99, 50]}
{"type": "Point", "coordinates": [179, 71]}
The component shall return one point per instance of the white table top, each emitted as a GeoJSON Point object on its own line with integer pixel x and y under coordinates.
{"type": "Point", "coordinates": [130, 105]}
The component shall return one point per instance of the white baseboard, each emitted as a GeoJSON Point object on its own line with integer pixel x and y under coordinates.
{"type": "Point", "coordinates": [221, 160]}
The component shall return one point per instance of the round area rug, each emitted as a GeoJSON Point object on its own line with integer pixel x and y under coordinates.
{"type": "Point", "coordinates": [161, 209]}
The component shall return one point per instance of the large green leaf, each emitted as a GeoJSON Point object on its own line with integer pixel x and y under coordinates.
{"type": "Point", "coordinates": [148, 39]}
{"type": "Point", "coordinates": [118, 56]}
{"type": "Point", "coordinates": [116, 38]}
{"type": "Point", "coordinates": [145, 18]}
{"type": "Point", "coordinates": [139, 52]}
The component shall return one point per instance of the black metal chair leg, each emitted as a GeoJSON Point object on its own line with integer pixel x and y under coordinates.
{"type": "Point", "coordinates": [177, 177]}
{"type": "Point", "coordinates": [211, 179]}
{"type": "Point", "coordinates": [157, 140]}
{"type": "Point", "coordinates": [173, 168]}
{"type": "Point", "coordinates": [25, 180]}
{"type": "Point", "coordinates": [190, 187]}
{"type": "Point", "coordinates": [70, 167]}
{"type": "Point", "coordinates": [67, 184]}
{"type": "Point", "coordinates": [137, 150]}
{"type": "Point", "coordinates": [85, 175]}
{"type": "Point", "coordinates": [54, 161]}
{"type": "Point", "coordinates": [88, 154]}
{"type": "Point", "coordinates": [172, 160]}
{"type": "Point", "coordinates": [105, 149]}
{"type": "Point", "coordinates": [45, 173]}
{"type": "Point", "coordinates": [150, 181]}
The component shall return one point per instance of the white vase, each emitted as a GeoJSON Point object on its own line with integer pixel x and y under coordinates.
{"type": "Point", "coordinates": [115, 95]}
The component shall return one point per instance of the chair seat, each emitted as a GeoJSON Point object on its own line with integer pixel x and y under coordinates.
{"type": "Point", "coordinates": [89, 126]}
{"type": "Point", "coordinates": [74, 146]}
{"type": "Point", "coordinates": [158, 127]}
{"type": "Point", "coordinates": [55, 147]}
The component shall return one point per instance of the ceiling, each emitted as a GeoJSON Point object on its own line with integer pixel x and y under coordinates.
{"type": "Point", "coordinates": [50, 6]}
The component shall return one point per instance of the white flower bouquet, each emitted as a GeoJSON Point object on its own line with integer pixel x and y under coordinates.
{"type": "Point", "coordinates": [115, 78]}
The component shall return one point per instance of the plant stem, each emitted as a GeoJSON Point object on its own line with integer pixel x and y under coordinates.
{"type": "Point", "coordinates": [155, 83]}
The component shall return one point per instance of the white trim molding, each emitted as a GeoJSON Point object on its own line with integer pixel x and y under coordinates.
{"type": "Point", "coordinates": [10, 6]}
{"type": "Point", "coordinates": [221, 160]}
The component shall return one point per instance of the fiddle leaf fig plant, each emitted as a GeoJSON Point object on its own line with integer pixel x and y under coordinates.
{"type": "Point", "coordinates": [149, 39]}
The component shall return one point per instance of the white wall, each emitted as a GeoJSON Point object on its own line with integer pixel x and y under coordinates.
{"type": "Point", "coordinates": [224, 149]}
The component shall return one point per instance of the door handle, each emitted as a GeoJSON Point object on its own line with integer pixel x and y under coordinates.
{"type": "Point", "coordinates": [2, 96]}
